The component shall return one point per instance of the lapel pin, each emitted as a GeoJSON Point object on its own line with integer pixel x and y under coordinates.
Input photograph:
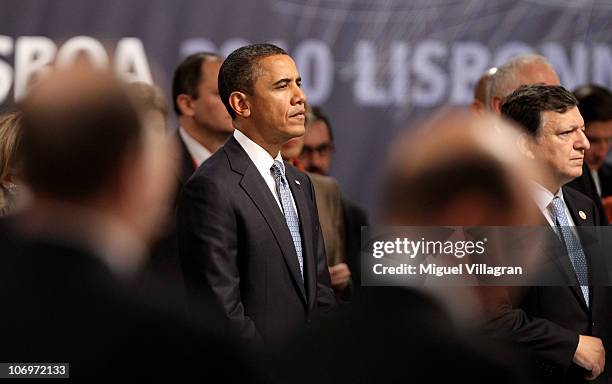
{"type": "Point", "coordinates": [582, 215]}
{"type": "Point", "coordinates": [298, 183]}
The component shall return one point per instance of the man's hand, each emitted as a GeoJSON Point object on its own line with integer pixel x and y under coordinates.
{"type": "Point", "coordinates": [590, 355]}
{"type": "Point", "coordinates": [340, 276]}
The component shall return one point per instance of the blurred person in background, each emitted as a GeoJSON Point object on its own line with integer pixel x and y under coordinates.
{"type": "Point", "coordinates": [482, 91]}
{"type": "Point", "coordinates": [100, 183]}
{"type": "Point", "coordinates": [316, 158]}
{"type": "Point", "coordinates": [10, 167]}
{"type": "Point", "coordinates": [595, 105]}
{"type": "Point", "coordinates": [151, 105]}
{"type": "Point", "coordinates": [329, 206]}
{"type": "Point", "coordinates": [520, 70]}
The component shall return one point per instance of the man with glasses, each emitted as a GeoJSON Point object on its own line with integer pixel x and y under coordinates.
{"type": "Point", "coordinates": [316, 157]}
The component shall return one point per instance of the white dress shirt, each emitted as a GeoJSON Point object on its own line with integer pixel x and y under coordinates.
{"type": "Point", "coordinates": [543, 198]}
{"type": "Point", "coordinates": [198, 152]}
{"type": "Point", "coordinates": [263, 162]}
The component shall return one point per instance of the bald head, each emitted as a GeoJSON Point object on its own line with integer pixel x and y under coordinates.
{"type": "Point", "coordinates": [521, 70]}
{"type": "Point", "coordinates": [78, 127]}
{"type": "Point", "coordinates": [482, 90]}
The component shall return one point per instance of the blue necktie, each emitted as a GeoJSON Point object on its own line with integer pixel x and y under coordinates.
{"type": "Point", "coordinates": [572, 245]}
{"type": "Point", "coordinates": [284, 193]}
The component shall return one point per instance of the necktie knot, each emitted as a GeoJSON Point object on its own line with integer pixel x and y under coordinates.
{"type": "Point", "coordinates": [278, 170]}
{"type": "Point", "coordinates": [557, 208]}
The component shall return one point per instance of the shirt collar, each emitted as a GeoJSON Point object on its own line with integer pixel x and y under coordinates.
{"type": "Point", "coordinates": [543, 197]}
{"type": "Point", "coordinates": [259, 156]}
{"type": "Point", "coordinates": [198, 152]}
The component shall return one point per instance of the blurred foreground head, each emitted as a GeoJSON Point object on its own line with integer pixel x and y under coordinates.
{"type": "Point", "coordinates": [456, 170]}
{"type": "Point", "coordinates": [150, 103]}
{"type": "Point", "coordinates": [84, 146]}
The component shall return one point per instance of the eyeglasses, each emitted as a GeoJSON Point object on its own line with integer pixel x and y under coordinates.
{"type": "Point", "coordinates": [323, 150]}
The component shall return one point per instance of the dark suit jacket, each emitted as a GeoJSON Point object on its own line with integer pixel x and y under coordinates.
{"type": "Point", "coordinates": [586, 185]}
{"type": "Point", "coordinates": [62, 304]}
{"type": "Point", "coordinates": [354, 218]}
{"type": "Point", "coordinates": [186, 165]}
{"type": "Point", "coordinates": [548, 320]}
{"type": "Point", "coordinates": [397, 335]}
{"type": "Point", "coordinates": [238, 255]}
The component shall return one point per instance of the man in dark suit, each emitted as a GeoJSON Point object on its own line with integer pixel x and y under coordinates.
{"type": "Point", "coordinates": [595, 104]}
{"type": "Point", "coordinates": [249, 236]}
{"type": "Point", "coordinates": [100, 182]}
{"type": "Point", "coordinates": [561, 325]}
{"type": "Point", "coordinates": [204, 124]}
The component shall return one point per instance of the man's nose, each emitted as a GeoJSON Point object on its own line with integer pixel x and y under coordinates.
{"type": "Point", "coordinates": [582, 142]}
{"type": "Point", "coordinates": [316, 157]}
{"type": "Point", "coordinates": [299, 97]}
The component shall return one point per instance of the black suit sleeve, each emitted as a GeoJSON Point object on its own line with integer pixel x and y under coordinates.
{"type": "Point", "coordinates": [208, 248]}
{"type": "Point", "coordinates": [553, 346]}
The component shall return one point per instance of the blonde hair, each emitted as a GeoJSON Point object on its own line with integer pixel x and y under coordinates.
{"type": "Point", "coordinates": [147, 97]}
{"type": "Point", "coordinates": [10, 136]}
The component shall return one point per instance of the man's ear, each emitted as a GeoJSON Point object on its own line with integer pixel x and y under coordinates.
{"type": "Point", "coordinates": [496, 104]}
{"type": "Point", "coordinates": [240, 104]}
{"type": "Point", "coordinates": [183, 101]}
{"type": "Point", "coordinates": [525, 145]}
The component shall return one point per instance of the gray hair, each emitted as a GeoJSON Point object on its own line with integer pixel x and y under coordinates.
{"type": "Point", "coordinates": [507, 78]}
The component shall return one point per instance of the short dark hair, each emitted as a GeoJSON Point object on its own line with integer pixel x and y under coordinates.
{"type": "Point", "coordinates": [237, 72]}
{"type": "Point", "coordinates": [318, 114]}
{"type": "Point", "coordinates": [188, 75]}
{"type": "Point", "coordinates": [74, 146]}
{"type": "Point", "coordinates": [594, 103]}
{"type": "Point", "coordinates": [526, 104]}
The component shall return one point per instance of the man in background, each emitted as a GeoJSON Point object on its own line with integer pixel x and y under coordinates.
{"type": "Point", "coordinates": [204, 124]}
{"type": "Point", "coordinates": [329, 206]}
{"type": "Point", "coordinates": [316, 157]}
{"type": "Point", "coordinates": [595, 104]}
{"type": "Point", "coordinates": [482, 90]}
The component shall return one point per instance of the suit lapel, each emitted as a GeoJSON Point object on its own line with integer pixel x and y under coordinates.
{"type": "Point", "coordinates": [187, 165]}
{"type": "Point", "coordinates": [255, 187]}
{"type": "Point", "coordinates": [560, 258]}
{"type": "Point", "coordinates": [574, 207]}
{"type": "Point", "coordinates": [304, 214]}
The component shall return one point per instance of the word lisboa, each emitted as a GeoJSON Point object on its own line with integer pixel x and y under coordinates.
{"type": "Point", "coordinates": [427, 247]}
{"type": "Point", "coordinates": [36, 54]}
